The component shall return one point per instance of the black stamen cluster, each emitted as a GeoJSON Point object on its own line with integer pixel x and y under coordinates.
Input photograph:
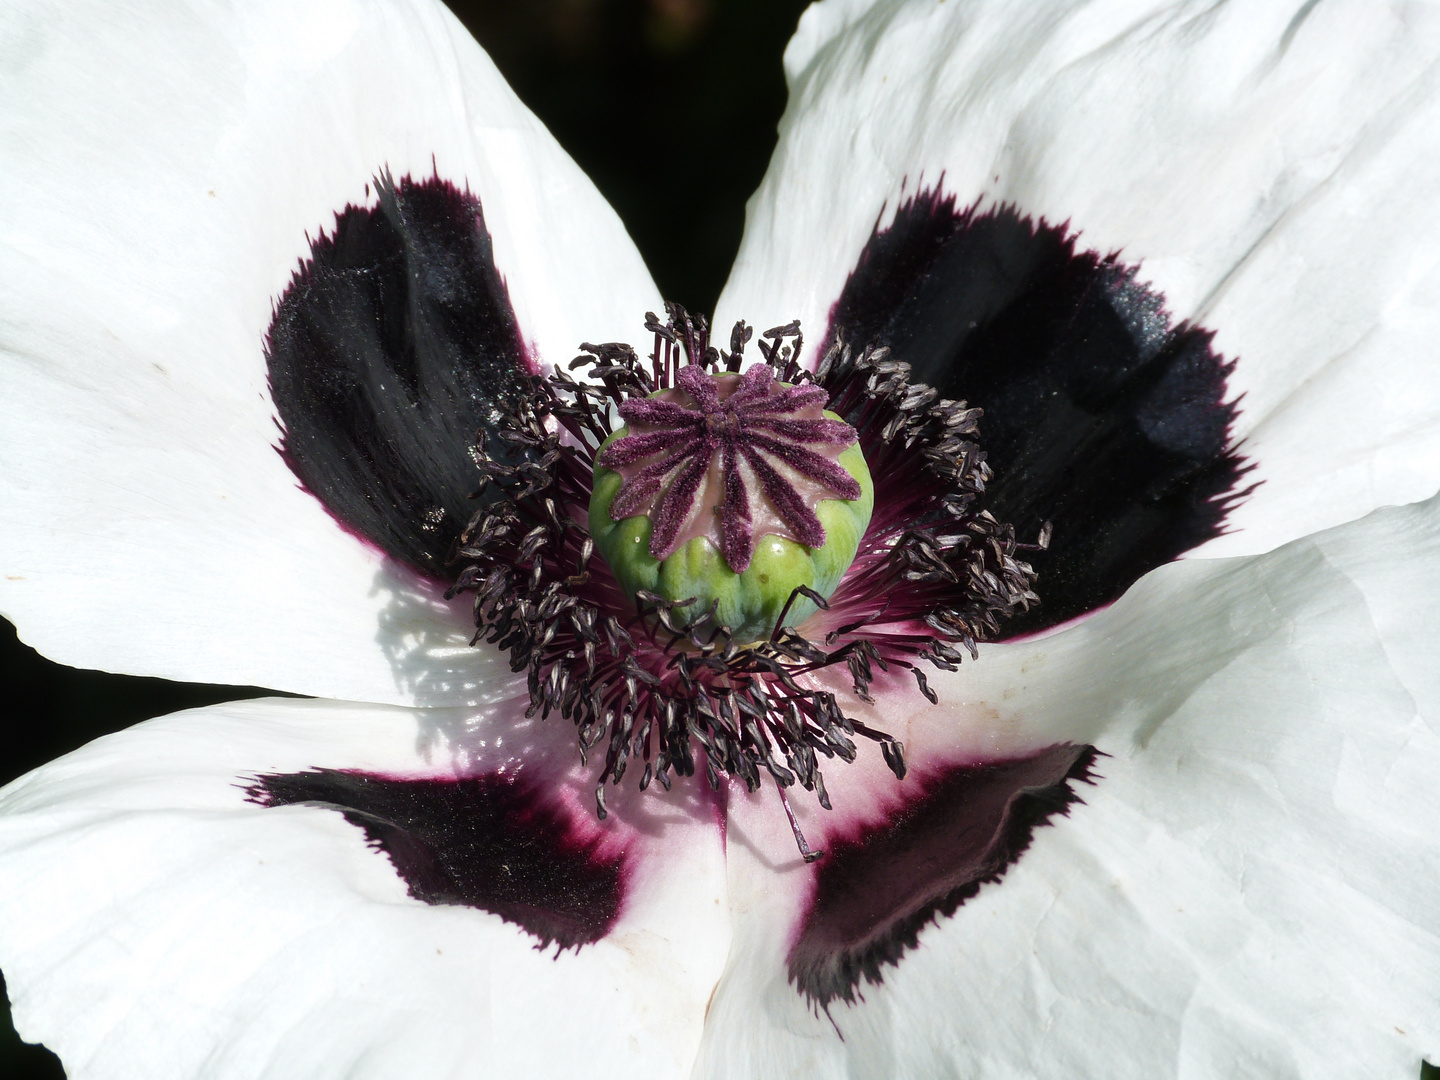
{"type": "Point", "coordinates": [648, 680]}
{"type": "Point", "coordinates": [932, 559]}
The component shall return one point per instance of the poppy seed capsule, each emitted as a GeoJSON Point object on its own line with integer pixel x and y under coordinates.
{"type": "Point", "coordinates": [733, 489]}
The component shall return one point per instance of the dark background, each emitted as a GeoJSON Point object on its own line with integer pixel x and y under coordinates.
{"type": "Point", "coordinates": [612, 79]}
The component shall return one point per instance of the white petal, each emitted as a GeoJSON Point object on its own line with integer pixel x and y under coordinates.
{"type": "Point", "coordinates": [164, 165]}
{"type": "Point", "coordinates": [153, 922]}
{"type": "Point", "coordinates": [1249, 888]}
{"type": "Point", "coordinates": [1274, 168]}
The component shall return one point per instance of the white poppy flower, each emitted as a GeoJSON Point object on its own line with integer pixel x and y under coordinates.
{"type": "Point", "coordinates": [1183, 256]}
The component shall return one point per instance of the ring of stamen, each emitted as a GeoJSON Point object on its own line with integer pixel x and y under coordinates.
{"type": "Point", "coordinates": [645, 680]}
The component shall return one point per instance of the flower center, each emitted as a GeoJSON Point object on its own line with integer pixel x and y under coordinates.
{"type": "Point", "coordinates": [728, 509]}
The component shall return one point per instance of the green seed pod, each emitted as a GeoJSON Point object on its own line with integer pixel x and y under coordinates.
{"type": "Point", "coordinates": [734, 490]}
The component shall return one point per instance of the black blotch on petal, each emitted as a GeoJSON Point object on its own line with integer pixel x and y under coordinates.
{"type": "Point", "coordinates": [1100, 415]}
{"type": "Point", "coordinates": [874, 894]}
{"type": "Point", "coordinates": [393, 345]}
{"type": "Point", "coordinates": [485, 842]}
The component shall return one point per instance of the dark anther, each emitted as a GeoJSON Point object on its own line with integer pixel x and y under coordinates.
{"type": "Point", "coordinates": [894, 754]}
{"type": "Point", "coordinates": [800, 842]}
{"type": "Point", "coordinates": [799, 590]}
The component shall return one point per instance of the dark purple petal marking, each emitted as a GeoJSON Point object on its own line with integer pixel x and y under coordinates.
{"type": "Point", "coordinates": [1100, 415]}
{"type": "Point", "coordinates": [485, 842]}
{"type": "Point", "coordinates": [395, 343]}
{"type": "Point", "coordinates": [877, 891]}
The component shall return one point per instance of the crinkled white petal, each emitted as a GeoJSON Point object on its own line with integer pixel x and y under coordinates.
{"type": "Point", "coordinates": [1274, 167]}
{"type": "Point", "coordinates": [153, 923]}
{"type": "Point", "coordinates": [164, 165]}
{"type": "Point", "coordinates": [1249, 890]}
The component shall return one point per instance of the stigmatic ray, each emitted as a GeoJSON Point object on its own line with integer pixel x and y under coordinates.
{"type": "Point", "coordinates": [729, 494]}
{"type": "Point", "coordinates": [661, 680]}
